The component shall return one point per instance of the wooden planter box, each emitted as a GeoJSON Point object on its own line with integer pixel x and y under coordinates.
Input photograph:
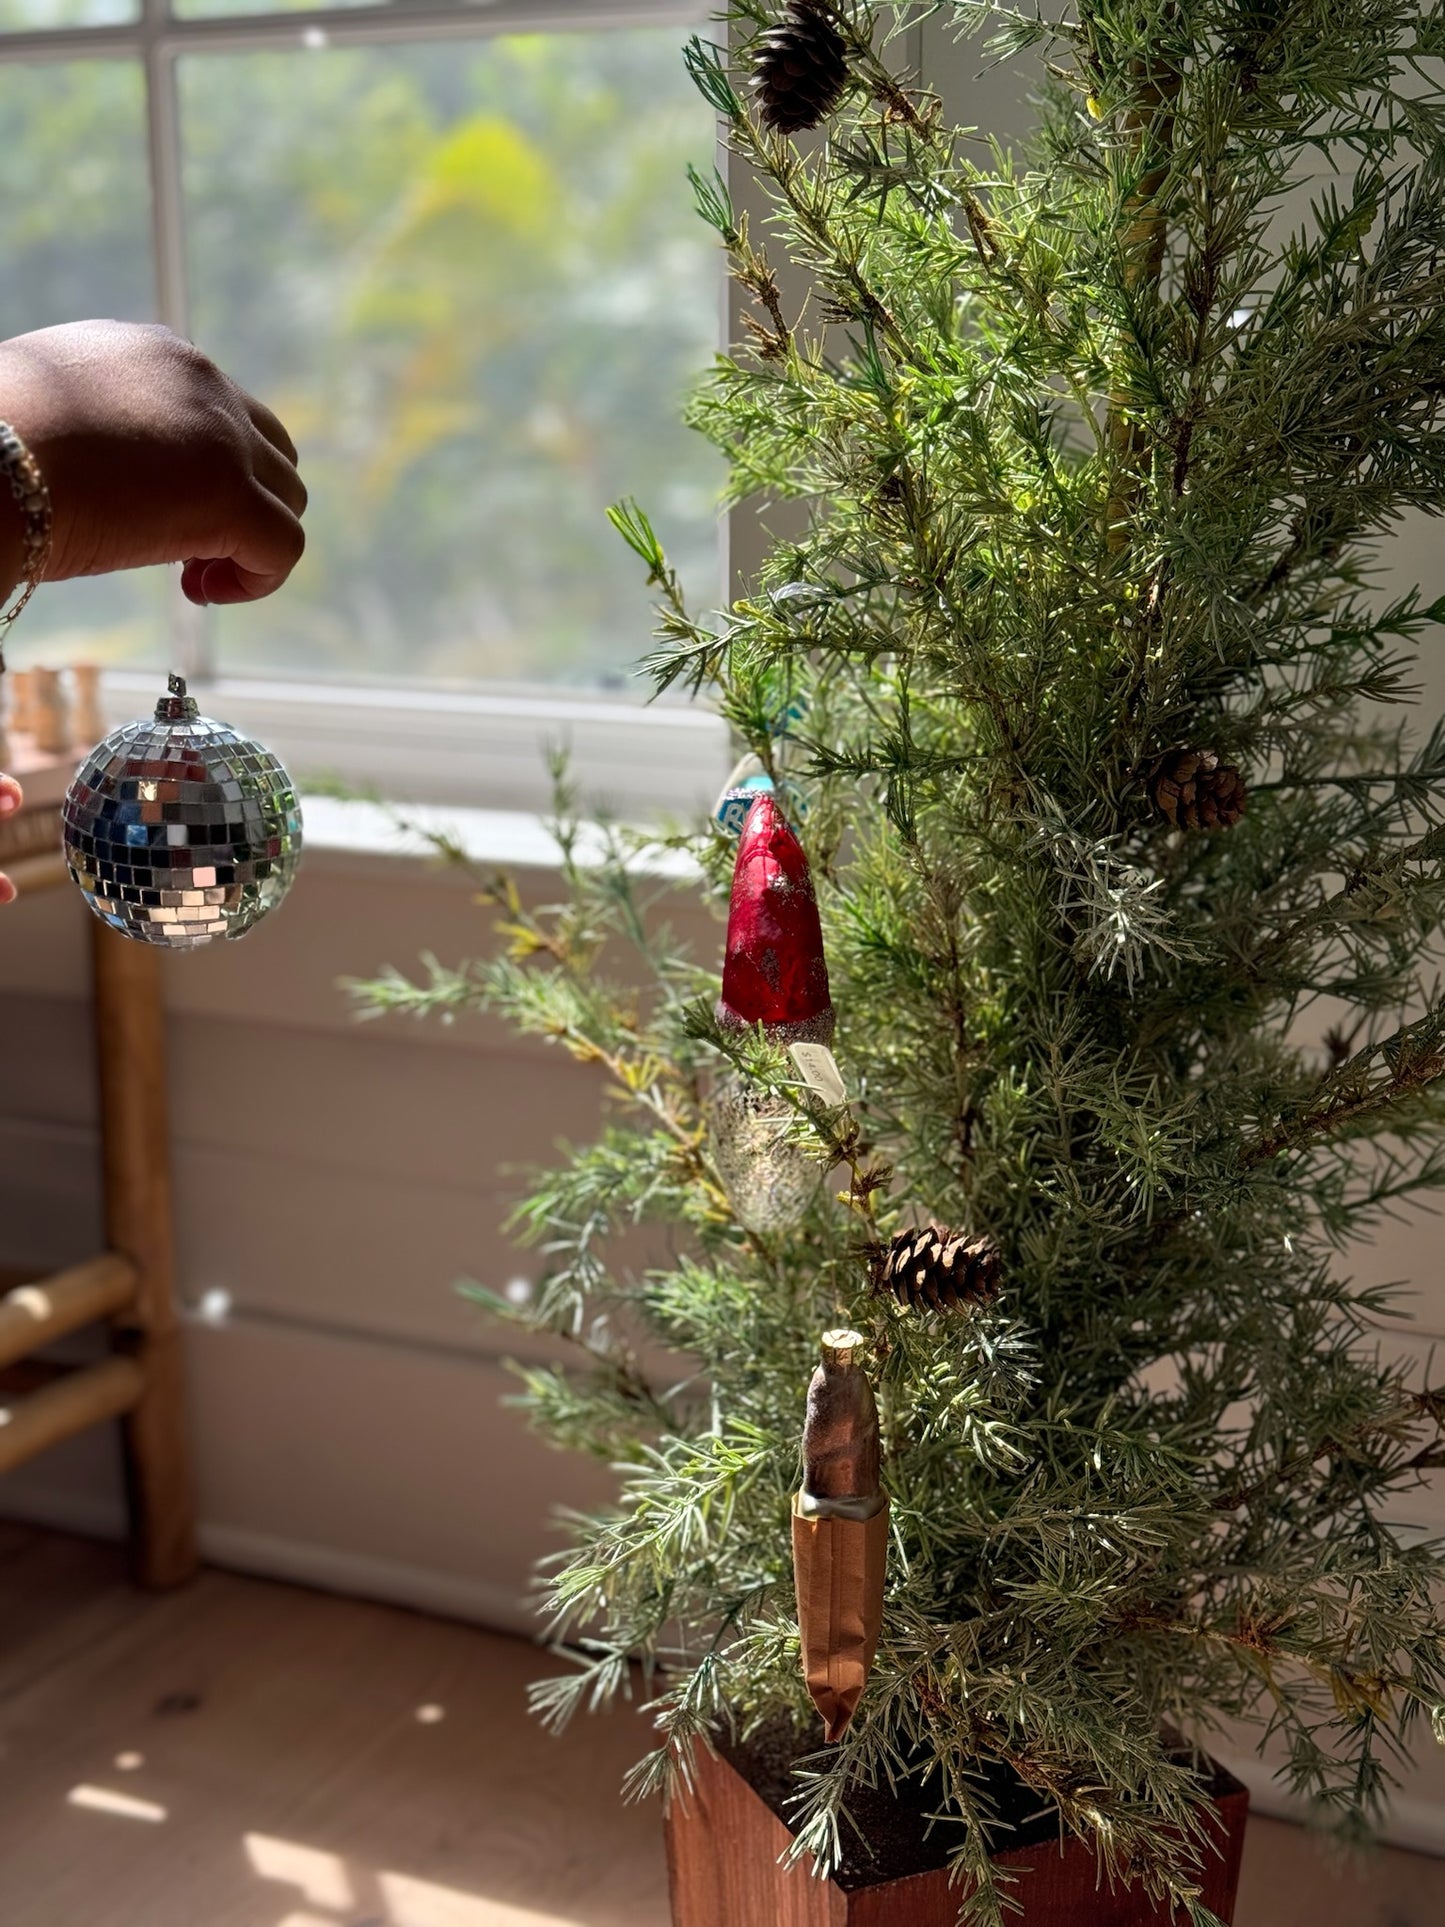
{"type": "Point", "coordinates": [723, 1844]}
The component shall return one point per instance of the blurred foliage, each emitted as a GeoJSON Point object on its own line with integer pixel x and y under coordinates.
{"type": "Point", "coordinates": [447, 267]}
{"type": "Point", "coordinates": [30, 16]}
{"type": "Point", "coordinates": [75, 241]}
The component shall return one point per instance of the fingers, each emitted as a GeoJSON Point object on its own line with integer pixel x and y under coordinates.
{"type": "Point", "coordinates": [263, 554]}
{"type": "Point", "coordinates": [10, 801]}
{"type": "Point", "coordinates": [225, 580]}
{"type": "Point", "coordinates": [222, 579]}
{"type": "Point", "coordinates": [277, 472]}
{"type": "Point", "coordinates": [272, 427]}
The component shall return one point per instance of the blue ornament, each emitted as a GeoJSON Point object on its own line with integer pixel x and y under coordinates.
{"type": "Point", "coordinates": [737, 799]}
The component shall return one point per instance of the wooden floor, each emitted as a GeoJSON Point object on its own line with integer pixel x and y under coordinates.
{"type": "Point", "coordinates": [242, 1754]}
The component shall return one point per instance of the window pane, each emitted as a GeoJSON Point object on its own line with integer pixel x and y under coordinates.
{"type": "Point", "coordinates": [469, 277]}
{"type": "Point", "coordinates": [75, 243]}
{"type": "Point", "coordinates": [23, 15]}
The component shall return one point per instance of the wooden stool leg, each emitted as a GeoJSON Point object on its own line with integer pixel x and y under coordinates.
{"type": "Point", "coordinates": [130, 1025]}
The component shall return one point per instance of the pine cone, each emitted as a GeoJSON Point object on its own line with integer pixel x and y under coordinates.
{"type": "Point", "coordinates": [800, 69]}
{"type": "Point", "coordinates": [938, 1268]}
{"type": "Point", "coordinates": [1193, 790]}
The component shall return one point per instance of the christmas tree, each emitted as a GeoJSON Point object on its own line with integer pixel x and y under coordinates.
{"type": "Point", "coordinates": [1076, 685]}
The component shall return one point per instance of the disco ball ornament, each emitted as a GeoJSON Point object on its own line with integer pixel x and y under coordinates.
{"type": "Point", "coordinates": [180, 830]}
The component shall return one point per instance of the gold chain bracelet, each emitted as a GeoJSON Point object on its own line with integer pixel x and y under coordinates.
{"type": "Point", "coordinates": [20, 468]}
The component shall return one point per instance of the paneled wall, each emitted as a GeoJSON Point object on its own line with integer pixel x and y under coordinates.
{"type": "Point", "coordinates": [333, 1180]}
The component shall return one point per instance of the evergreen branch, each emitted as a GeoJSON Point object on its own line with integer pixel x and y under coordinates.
{"type": "Point", "coordinates": [1348, 1098]}
{"type": "Point", "coordinates": [1387, 1427]}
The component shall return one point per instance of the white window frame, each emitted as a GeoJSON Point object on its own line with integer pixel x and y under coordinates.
{"type": "Point", "coordinates": [479, 748]}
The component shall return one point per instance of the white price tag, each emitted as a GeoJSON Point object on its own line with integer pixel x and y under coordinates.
{"type": "Point", "coordinates": [818, 1068]}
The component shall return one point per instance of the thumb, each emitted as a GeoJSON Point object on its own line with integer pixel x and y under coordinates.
{"type": "Point", "coordinates": [223, 579]}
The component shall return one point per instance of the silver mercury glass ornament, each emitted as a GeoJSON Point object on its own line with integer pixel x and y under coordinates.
{"type": "Point", "coordinates": [179, 830]}
{"type": "Point", "coordinates": [770, 1181]}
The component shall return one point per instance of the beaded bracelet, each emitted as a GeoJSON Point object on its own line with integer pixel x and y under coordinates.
{"type": "Point", "coordinates": [20, 468]}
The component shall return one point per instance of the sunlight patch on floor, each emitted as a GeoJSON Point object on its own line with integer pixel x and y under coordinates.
{"type": "Point", "coordinates": [319, 1878]}
{"type": "Point", "coordinates": [422, 1903]}
{"type": "Point", "coordinates": [123, 1806]}
{"type": "Point", "coordinates": [322, 1881]}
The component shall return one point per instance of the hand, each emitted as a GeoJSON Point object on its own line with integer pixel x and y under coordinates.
{"type": "Point", "coordinates": [151, 454]}
{"type": "Point", "coordinates": [10, 801]}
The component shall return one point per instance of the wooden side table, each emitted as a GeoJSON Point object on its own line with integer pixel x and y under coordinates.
{"type": "Point", "coordinates": [128, 1285]}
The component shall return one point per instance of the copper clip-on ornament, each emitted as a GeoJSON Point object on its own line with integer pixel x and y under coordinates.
{"type": "Point", "coordinates": [840, 1534]}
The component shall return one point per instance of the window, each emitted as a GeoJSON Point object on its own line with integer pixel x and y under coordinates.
{"type": "Point", "coordinates": [453, 246]}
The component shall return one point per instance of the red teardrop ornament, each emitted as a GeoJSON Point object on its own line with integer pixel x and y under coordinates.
{"type": "Point", "coordinates": [775, 972]}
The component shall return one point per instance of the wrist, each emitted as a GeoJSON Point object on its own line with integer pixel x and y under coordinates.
{"type": "Point", "coordinates": [12, 544]}
{"type": "Point", "coordinates": [27, 405]}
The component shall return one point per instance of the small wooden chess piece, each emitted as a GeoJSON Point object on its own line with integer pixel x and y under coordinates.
{"type": "Point", "coordinates": [50, 712]}
{"type": "Point", "coordinates": [21, 685]}
{"type": "Point", "coordinates": [87, 717]}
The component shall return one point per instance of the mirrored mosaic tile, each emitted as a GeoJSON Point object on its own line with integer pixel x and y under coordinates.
{"type": "Point", "coordinates": [178, 830]}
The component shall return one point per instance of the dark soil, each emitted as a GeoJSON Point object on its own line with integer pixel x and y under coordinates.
{"type": "Point", "coordinates": [891, 1836]}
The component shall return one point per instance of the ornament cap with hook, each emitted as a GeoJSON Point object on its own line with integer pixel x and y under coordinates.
{"type": "Point", "coordinates": [176, 706]}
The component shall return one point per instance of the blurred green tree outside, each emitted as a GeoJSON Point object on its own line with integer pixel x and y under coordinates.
{"type": "Point", "coordinates": [449, 267]}
{"type": "Point", "coordinates": [75, 241]}
{"type": "Point", "coordinates": [30, 15]}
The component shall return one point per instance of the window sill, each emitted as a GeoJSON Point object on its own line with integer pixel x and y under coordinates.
{"type": "Point", "coordinates": [479, 752]}
{"type": "Point", "coordinates": [368, 839]}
